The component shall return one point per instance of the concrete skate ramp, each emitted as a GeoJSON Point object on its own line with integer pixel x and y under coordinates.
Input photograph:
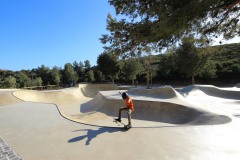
{"type": "Point", "coordinates": [64, 97]}
{"type": "Point", "coordinates": [91, 90]}
{"type": "Point", "coordinates": [211, 91]}
{"type": "Point", "coordinates": [144, 110]}
{"type": "Point", "coordinates": [153, 108]}
{"type": "Point", "coordinates": [148, 112]}
{"type": "Point", "coordinates": [6, 97]}
{"type": "Point", "coordinates": [161, 92]}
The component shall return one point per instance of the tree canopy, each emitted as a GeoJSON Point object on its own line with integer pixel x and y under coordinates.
{"type": "Point", "coordinates": [189, 60]}
{"type": "Point", "coordinates": [108, 65]}
{"type": "Point", "coordinates": [161, 23]}
{"type": "Point", "coordinates": [132, 68]}
{"type": "Point", "coordinates": [222, 67]}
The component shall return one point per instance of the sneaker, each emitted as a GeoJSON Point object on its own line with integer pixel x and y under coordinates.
{"type": "Point", "coordinates": [118, 119]}
{"type": "Point", "coordinates": [129, 126]}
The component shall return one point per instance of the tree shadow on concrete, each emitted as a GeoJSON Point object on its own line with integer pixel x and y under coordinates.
{"type": "Point", "coordinates": [91, 134]}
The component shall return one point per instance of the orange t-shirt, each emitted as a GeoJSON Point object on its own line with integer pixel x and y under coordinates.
{"type": "Point", "coordinates": [129, 103]}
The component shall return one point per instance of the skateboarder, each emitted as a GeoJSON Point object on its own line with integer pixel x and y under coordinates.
{"type": "Point", "coordinates": [129, 108]}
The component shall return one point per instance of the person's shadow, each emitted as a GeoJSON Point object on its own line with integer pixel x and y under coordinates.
{"type": "Point", "coordinates": [91, 134]}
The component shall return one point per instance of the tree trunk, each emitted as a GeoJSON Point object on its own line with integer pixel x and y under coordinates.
{"type": "Point", "coordinates": [113, 80]}
{"type": "Point", "coordinates": [193, 79]}
{"type": "Point", "coordinates": [132, 82]}
{"type": "Point", "coordinates": [148, 82]}
{"type": "Point", "coordinates": [151, 82]}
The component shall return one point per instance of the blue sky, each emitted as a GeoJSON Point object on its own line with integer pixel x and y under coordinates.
{"type": "Point", "coordinates": [51, 32]}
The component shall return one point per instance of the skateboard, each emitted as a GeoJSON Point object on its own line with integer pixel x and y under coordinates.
{"type": "Point", "coordinates": [124, 126]}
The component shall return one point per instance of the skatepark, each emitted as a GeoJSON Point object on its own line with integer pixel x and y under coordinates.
{"type": "Point", "coordinates": [195, 122]}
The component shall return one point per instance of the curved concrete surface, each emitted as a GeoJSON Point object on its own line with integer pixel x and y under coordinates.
{"type": "Point", "coordinates": [156, 107]}
{"type": "Point", "coordinates": [63, 97]}
{"type": "Point", "coordinates": [164, 92]}
{"type": "Point", "coordinates": [36, 131]}
{"type": "Point", "coordinates": [148, 112]}
{"type": "Point", "coordinates": [211, 91]}
{"type": "Point", "coordinates": [91, 90]}
{"type": "Point", "coordinates": [6, 97]}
